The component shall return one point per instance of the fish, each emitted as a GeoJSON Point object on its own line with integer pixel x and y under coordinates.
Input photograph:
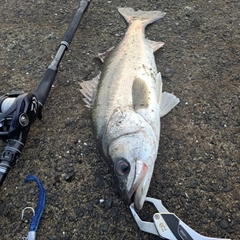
{"type": "Point", "coordinates": [127, 102]}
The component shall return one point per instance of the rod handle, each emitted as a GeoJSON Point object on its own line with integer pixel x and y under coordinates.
{"type": "Point", "coordinates": [69, 34]}
{"type": "Point", "coordinates": [45, 85]}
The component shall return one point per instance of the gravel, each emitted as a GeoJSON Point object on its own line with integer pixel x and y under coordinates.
{"type": "Point", "coordinates": [196, 173]}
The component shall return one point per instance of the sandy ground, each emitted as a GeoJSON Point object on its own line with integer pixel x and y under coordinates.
{"type": "Point", "coordinates": [197, 171]}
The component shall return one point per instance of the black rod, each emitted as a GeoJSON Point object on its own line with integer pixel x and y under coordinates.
{"type": "Point", "coordinates": [45, 84]}
{"type": "Point", "coordinates": [15, 122]}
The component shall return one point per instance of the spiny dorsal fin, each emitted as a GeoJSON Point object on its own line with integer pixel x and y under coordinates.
{"type": "Point", "coordinates": [88, 89]}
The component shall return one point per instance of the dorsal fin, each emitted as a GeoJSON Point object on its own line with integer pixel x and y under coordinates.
{"type": "Point", "coordinates": [104, 55]}
{"type": "Point", "coordinates": [88, 89]}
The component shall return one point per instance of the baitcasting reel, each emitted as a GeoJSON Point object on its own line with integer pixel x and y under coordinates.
{"type": "Point", "coordinates": [18, 110]}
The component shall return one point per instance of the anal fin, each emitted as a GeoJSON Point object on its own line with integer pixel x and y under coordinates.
{"type": "Point", "coordinates": [155, 45]}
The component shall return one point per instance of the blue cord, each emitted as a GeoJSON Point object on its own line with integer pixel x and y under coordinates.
{"type": "Point", "coordinates": [40, 204]}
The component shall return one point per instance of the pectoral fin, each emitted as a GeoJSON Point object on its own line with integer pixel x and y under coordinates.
{"type": "Point", "coordinates": [158, 86]}
{"type": "Point", "coordinates": [88, 89]}
{"type": "Point", "coordinates": [168, 102]}
{"type": "Point", "coordinates": [140, 94]}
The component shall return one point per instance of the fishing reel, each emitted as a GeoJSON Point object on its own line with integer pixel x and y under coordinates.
{"type": "Point", "coordinates": [18, 110]}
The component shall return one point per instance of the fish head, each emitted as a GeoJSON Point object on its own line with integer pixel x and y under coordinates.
{"type": "Point", "coordinates": [128, 175]}
{"type": "Point", "coordinates": [133, 156]}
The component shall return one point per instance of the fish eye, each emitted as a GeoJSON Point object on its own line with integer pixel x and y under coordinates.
{"type": "Point", "coordinates": [122, 167]}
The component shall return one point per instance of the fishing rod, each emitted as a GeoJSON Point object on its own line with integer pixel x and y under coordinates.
{"type": "Point", "coordinates": [18, 110]}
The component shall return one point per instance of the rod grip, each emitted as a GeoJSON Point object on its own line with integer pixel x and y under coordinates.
{"type": "Point", "coordinates": [45, 85]}
{"type": "Point", "coordinates": [69, 34]}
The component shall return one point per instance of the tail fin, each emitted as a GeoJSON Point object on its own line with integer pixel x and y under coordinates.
{"type": "Point", "coordinates": [146, 17]}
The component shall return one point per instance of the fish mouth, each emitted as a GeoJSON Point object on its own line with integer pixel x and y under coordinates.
{"type": "Point", "coordinates": [140, 189]}
{"type": "Point", "coordinates": [140, 174]}
{"type": "Point", "coordinates": [141, 192]}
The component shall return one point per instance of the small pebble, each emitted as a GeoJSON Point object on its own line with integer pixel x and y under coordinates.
{"type": "Point", "coordinates": [104, 227]}
{"type": "Point", "coordinates": [108, 203]}
{"type": "Point", "coordinates": [168, 70]}
{"type": "Point", "coordinates": [224, 224]}
{"type": "Point", "coordinates": [69, 176]}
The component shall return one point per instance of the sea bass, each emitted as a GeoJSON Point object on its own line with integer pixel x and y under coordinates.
{"type": "Point", "coordinates": [126, 102]}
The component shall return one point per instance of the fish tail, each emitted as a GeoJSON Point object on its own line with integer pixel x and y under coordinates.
{"type": "Point", "coordinates": [146, 17]}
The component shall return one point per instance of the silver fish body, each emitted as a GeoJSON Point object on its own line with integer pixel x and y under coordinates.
{"type": "Point", "coordinates": [126, 101]}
